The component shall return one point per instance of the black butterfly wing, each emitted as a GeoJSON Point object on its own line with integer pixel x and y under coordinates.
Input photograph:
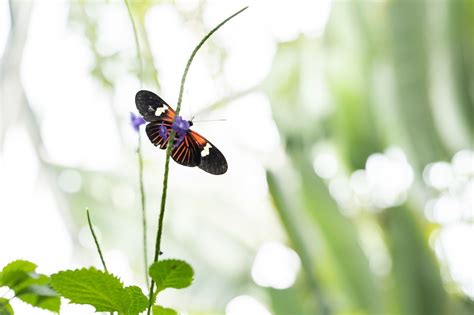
{"type": "Point", "coordinates": [152, 107]}
{"type": "Point", "coordinates": [186, 151]}
{"type": "Point", "coordinates": [160, 115]}
{"type": "Point", "coordinates": [211, 159]}
{"type": "Point", "coordinates": [192, 150]}
{"type": "Point", "coordinates": [156, 137]}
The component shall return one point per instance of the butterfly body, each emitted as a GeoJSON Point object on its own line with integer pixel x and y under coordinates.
{"type": "Point", "coordinates": [189, 148]}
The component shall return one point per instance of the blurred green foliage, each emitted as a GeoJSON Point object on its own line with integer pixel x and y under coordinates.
{"type": "Point", "coordinates": [380, 64]}
{"type": "Point", "coordinates": [31, 287]}
{"type": "Point", "coordinates": [362, 40]}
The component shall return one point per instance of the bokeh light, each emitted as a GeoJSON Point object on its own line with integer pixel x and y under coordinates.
{"type": "Point", "coordinates": [245, 304]}
{"type": "Point", "coordinates": [275, 266]}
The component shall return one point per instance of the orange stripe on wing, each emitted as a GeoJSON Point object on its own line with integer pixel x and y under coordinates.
{"type": "Point", "coordinates": [182, 147]}
{"type": "Point", "coordinates": [201, 141]}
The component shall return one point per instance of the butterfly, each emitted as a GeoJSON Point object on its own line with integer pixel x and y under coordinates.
{"type": "Point", "coordinates": [189, 148]}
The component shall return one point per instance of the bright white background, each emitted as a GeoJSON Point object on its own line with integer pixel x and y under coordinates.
{"type": "Point", "coordinates": [79, 132]}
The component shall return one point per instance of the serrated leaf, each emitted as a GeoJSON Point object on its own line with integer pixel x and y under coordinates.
{"type": "Point", "coordinates": [171, 273]}
{"type": "Point", "coordinates": [15, 272]}
{"type": "Point", "coordinates": [138, 302]}
{"type": "Point", "coordinates": [50, 303]}
{"type": "Point", "coordinates": [29, 286]}
{"type": "Point", "coordinates": [160, 310]}
{"type": "Point", "coordinates": [37, 292]}
{"type": "Point", "coordinates": [90, 286]}
{"type": "Point", "coordinates": [41, 296]}
{"type": "Point", "coordinates": [5, 307]}
{"type": "Point", "coordinates": [101, 290]}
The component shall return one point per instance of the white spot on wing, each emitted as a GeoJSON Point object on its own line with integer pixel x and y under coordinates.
{"type": "Point", "coordinates": [205, 151]}
{"type": "Point", "coordinates": [160, 110]}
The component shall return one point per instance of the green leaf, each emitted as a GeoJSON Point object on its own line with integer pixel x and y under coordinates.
{"type": "Point", "coordinates": [418, 284]}
{"type": "Point", "coordinates": [29, 286]}
{"type": "Point", "coordinates": [40, 295]}
{"type": "Point", "coordinates": [5, 307]}
{"type": "Point", "coordinates": [309, 198]}
{"type": "Point", "coordinates": [89, 286]}
{"type": "Point", "coordinates": [15, 272]}
{"type": "Point", "coordinates": [413, 82]}
{"type": "Point", "coordinates": [37, 292]}
{"type": "Point", "coordinates": [342, 239]}
{"type": "Point", "coordinates": [160, 310]}
{"type": "Point", "coordinates": [285, 209]}
{"type": "Point", "coordinates": [171, 273]}
{"type": "Point", "coordinates": [102, 290]}
{"type": "Point", "coordinates": [137, 301]}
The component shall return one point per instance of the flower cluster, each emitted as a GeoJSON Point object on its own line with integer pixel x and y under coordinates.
{"type": "Point", "coordinates": [136, 121]}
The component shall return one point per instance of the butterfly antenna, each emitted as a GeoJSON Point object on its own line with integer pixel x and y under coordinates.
{"type": "Point", "coordinates": [209, 120]}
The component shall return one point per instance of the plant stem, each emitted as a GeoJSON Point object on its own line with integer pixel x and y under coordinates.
{"type": "Point", "coordinates": [137, 42]}
{"type": "Point", "coordinates": [147, 55]}
{"type": "Point", "coordinates": [139, 149]}
{"type": "Point", "coordinates": [205, 38]}
{"type": "Point", "coordinates": [142, 202]}
{"type": "Point", "coordinates": [95, 240]}
{"type": "Point", "coordinates": [97, 244]}
{"type": "Point", "coordinates": [170, 146]}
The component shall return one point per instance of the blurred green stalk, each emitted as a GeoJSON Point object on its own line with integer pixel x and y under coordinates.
{"type": "Point", "coordinates": [284, 212]}
{"type": "Point", "coordinates": [139, 151]}
{"type": "Point", "coordinates": [170, 146]}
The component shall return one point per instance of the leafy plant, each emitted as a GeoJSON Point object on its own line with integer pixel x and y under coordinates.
{"type": "Point", "coordinates": [101, 289]}
{"type": "Point", "coordinates": [20, 276]}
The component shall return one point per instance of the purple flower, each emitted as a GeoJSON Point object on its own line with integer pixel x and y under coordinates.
{"type": "Point", "coordinates": [163, 132]}
{"type": "Point", "coordinates": [136, 121]}
{"type": "Point", "coordinates": [181, 126]}
{"type": "Point", "coordinates": [177, 141]}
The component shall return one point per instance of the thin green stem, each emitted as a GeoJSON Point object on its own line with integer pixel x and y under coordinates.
{"type": "Point", "coordinates": [95, 240]}
{"type": "Point", "coordinates": [147, 55]}
{"type": "Point", "coordinates": [170, 146]}
{"type": "Point", "coordinates": [137, 42]}
{"type": "Point", "coordinates": [142, 202]}
{"type": "Point", "coordinates": [97, 244]}
{"type": "Point", "coordinates": [139, 148]}
{"type": "Point", "coordinates": [162, 215]}
{"type": "Point", "coordinates": [190, 60]}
